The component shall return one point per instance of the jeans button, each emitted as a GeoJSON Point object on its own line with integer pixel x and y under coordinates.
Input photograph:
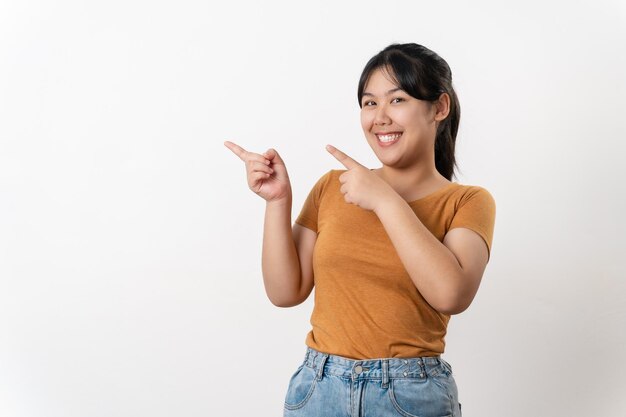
{"type": "Point", "coordinates": [358, 369]}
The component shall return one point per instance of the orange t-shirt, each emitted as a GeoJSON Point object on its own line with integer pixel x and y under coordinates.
{"type": "Point", "coordinates": [365, 305]}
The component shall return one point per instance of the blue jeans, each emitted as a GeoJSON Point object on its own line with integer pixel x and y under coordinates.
{"type": "Point", "coordinates": [333, 386]}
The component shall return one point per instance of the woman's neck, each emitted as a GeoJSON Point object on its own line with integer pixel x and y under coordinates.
{"type": "Point", "coordinates": [412, 183]}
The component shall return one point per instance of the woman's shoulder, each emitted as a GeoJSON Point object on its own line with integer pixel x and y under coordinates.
{"type": "Point", "coordinates": [463, 193]}
{"type": "Point", "coordinates": [470, 188]}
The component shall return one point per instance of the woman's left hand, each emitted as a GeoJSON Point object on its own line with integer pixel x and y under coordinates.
{"type": "Point", "coordinates": [360, 185]}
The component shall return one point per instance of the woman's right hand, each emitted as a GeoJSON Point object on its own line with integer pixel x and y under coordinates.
{"type": "Point", "coordinates": [267, 174]}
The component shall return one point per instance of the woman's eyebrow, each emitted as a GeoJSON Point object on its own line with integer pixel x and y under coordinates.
{"type": "Point", "coordinates": [393, 90]}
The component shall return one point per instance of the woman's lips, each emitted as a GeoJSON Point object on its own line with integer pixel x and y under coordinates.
{"type": "Point", "coordinates": [388, 139]}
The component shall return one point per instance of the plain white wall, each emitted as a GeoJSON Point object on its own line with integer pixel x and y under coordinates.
{"type": "Point", "coordinates": [130, 263]}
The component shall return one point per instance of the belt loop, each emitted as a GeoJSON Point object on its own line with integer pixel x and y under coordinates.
{"type": "Point", "coordinates": [385, 373]}
{"type": "Point", "coordinates": [422, 363]}
{"type": "Point", "coordinates": [320, 369]}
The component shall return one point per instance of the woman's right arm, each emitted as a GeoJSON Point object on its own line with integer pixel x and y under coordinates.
{"type": "Point", "coordinates": [287, 256]}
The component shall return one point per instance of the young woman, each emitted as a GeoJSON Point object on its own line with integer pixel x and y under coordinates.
{"type": "Point", "coordinates": [393, 252]}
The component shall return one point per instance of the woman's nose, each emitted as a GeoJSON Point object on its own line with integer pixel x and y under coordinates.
{"type": "Point", "coordinates": [382, 117]}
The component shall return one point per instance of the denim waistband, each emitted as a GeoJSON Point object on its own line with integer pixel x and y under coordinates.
{"type": "Point", "coordinates": [383, 368]}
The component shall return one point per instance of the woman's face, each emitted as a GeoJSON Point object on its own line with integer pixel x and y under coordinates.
{"type": "Point", "coordinates": [400, 129]}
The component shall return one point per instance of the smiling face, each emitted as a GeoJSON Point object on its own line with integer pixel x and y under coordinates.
{"type": "Point", "coordinates": [399, 128]}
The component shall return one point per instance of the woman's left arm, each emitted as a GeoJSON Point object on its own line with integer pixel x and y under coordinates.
{"type": "Point", "coordinates": [447, 274]}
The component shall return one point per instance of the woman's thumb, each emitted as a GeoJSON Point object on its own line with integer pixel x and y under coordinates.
{"type": "Point", "coordinates": [272, 155]}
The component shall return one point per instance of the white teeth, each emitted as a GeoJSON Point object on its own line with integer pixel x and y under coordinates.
{"type": "Point", "coordinates": [389, 138]}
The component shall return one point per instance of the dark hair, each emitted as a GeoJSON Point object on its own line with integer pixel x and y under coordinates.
{"type": "Point", "coordinates": [424, 75]}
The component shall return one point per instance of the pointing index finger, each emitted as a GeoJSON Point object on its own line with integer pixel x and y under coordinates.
{"type": "Point", "coordinates": [237, 150]}
{"type": "Point", "coordinates": [345, 160]}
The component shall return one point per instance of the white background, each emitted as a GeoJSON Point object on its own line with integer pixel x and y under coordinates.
{"type": "Point", "coordinates": [130, 245]}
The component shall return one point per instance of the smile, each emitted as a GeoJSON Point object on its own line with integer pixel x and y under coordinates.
{"type": "Point", "coordinates": [388, 139]}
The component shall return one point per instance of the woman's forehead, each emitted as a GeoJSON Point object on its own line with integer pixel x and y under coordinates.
{"type": "Point", "coordinates": [381, 78]}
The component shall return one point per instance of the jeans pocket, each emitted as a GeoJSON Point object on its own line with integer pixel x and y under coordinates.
{"type": "Point", "coordinates": [412, 397]}
{"type": "Point", "coordinates": [301, 387]}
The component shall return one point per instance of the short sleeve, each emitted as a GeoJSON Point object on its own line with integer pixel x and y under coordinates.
{"type": "Point", "coordinates": [309, 212]}
{"type": "Point", "coordinates": [477, 211]}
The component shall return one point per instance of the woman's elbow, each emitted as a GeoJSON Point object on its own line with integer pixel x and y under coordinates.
{"type": "Point", "coordinates": [287, 302]}
{"type": "Point", "coordinates": [452, 306]}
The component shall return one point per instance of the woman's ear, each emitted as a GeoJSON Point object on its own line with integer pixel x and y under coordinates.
{"type": "Point", "coordinates": [443, 107]}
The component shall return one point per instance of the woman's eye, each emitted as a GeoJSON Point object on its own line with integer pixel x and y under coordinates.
{"type": "Point", "coordinates": [397, 100]}
{"type": "Point", "coordinates": [369, 103]}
